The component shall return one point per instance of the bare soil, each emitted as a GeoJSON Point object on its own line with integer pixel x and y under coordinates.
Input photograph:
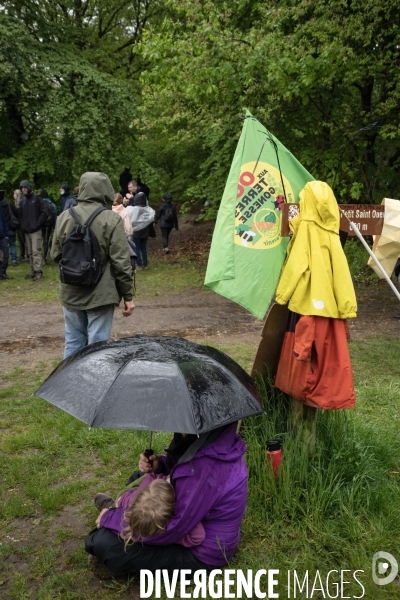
{"type": "Point", "coordinates": [36, 330]}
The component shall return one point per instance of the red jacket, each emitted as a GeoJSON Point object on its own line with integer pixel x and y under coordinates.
{"type": "Point", "coordinates": [314, 366]}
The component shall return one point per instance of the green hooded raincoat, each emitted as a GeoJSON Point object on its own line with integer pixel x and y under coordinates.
{"type": "Point", "coordinates": [95, 190]}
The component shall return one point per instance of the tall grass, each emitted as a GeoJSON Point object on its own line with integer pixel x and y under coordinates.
{"type": "Point", "coordinates": [347, 472]}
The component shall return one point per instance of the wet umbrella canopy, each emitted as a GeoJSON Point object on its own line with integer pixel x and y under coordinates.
{"type": "Point", "coordinates": [152, 383]}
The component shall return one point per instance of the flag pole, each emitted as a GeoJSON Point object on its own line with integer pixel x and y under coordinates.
{"type": "Point", "coordinates": [372, 255]}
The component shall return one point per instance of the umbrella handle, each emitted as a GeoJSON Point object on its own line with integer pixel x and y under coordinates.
{"type": "Point", "coordinates": [149, 452]}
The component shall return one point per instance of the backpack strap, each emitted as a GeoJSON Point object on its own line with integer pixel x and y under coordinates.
{"type": "Point", "coordinates": [73, 213]}
{"type": "Point", "coordinates": [92, 217]}
{"type": "Point", "coordinates": [94, 214]}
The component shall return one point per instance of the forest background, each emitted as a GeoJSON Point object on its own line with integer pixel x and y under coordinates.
{"type": "Point", "coordinates": [159, 86]}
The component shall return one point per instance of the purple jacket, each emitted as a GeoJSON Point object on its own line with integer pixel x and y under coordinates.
{"type": "Point", "coordinates": [211, 488]}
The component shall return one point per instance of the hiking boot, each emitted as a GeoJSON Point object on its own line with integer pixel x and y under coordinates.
{"type": "Point", "coordinates": [37, 275]}
{"type": "Point", "coordinates": [24, 259]}
{"type": "Point", "coordinates": [5, 276]}
{"type": "Point", "coordinates": [145, 267]}
{"type": "Point", "coordinates": [139, 268]}
{"type": "Point", "coordinates": [166, 250]}
{"type": "Point", "coordinates": [103, 501]}
{"type": "Point", "coordinates": [15, 263]}
{"type": "Point", "coordinates": [30, 276]}
{"type": "Point", "coordinates": [98, 568]}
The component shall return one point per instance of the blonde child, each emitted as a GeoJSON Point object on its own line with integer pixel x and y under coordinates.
{"type": "Point", "coordinates": [149, 512]}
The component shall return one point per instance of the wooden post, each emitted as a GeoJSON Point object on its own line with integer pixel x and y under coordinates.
{"type": "Point", "coordinates": [304, 422]}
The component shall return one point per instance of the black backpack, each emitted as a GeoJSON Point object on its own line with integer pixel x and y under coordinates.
{"type": "Point", "coordinates": [51, 213]}
{"type": "Point", "coordinates": [169, 213]}
{"type": "Point", "coordinates": [80, 263]}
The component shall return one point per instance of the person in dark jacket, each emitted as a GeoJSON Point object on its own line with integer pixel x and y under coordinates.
{"type": "Point", "coordinates": [4, 233]}
{"type": "Point", "coordinates": [21, 236]}
{"type": "Point", "coordinates": [124, 180]}
{"type": "Point", "coordinates": [140, 237]}
{"type": "Point", "coordinates": [48, 227]}
{"type": "Point", "coordinates": [33, 215]}
{"type": "Point", "coordinates": [72, 200]}
{"type": "Point", "coordinates": [65, 195]}
{"type": "Point", "coordinates": [167, 218]}
{"type": "Point", "coordinates": [11, 216]}
{"type": "Point", "coordinates": [135, 196]}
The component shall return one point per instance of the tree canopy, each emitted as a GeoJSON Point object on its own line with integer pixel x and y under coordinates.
{"type": "Point", "coordinates": [160, 85]}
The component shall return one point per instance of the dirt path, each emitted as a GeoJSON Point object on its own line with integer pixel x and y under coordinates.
{"type": "Point", "coordinates": [36, 330]}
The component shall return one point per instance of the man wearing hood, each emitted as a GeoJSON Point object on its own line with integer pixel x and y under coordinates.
{"type": "Point", "coordinates": [88, 311]}
{"type": "Point", "coordinates": [33, 215]}
{"type": "Point", "coordinates": [65, 196]}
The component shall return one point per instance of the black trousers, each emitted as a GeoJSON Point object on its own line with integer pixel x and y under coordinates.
{"type": "Point", "coordinates": [165, 231]}
{"type": "Point", "coordinates": [109, 548]}
{"type": "Point", "coordinates": [46, 234]}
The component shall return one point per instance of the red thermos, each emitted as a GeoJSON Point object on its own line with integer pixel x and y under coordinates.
{"type": "Point", "coordinates": [274, 455]}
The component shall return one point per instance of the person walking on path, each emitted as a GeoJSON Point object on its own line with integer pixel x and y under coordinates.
{"type": "Point", "coordinates": [33, 215]}
{"type": "Point", "coordinates": [167, 218]}
{"type": "Point", "coordinates": [141, 236]}
{"type": "Point", "coordinates": [120, 209]}
{"type": "Point", "coordinates": [48, 227]}
{"type": "Point", "coordinates": [12, 219]}
{"type": "Point", "coordinates": [4, 233]}
{"type": "Point", "coordinates": [124, 179]}
{"type": "Point", "coordinates": [88, 311]}
{"type": "Point", "coordinates": [20, 235]}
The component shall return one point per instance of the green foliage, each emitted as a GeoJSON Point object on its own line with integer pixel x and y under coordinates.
{"type": "Point", "coordinates": [313, 72]}
{"type": "Point", "coordinates": [68, 96]}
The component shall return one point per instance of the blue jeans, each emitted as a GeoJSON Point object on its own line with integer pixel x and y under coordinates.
{"type": "Point", "coordinates": [141, 250]}
{"type": "Point", "coordinates": [12, 238]}
{"type": "Point", "coordinates": [83, 327]}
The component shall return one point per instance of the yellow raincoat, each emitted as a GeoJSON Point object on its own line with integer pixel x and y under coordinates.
{"type": "Point", "coordinates": [315, 278]}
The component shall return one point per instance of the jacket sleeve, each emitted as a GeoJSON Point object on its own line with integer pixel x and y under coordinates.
{"type": "Point", "coordinates": [296, 264]}
{"type": "Point", "coordinates": [304, 336]}
{"type": "Point", "coordinates": [158, 214]}
{"type": "Point", "coordinates": [56, 246]}
{"type": "Point", "coordinates": [3, 225]}
{"type": "Point", "coordinates": [194, 537]}
{"type": "Point", "coordinates": [42, 213]}
{"type": "Point", "coordinates": [120, 261]}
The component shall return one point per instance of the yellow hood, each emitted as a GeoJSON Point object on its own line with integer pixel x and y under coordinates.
{"type": "Point", "coordinates": [318, 204]}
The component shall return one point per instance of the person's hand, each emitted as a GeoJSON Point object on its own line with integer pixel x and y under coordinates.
{"type": "Point", "coordinates": [99, 518]}
{"type": "Point", "coordinates": [129, 306]}
{"type": "Point", "coordinates": [129, 196]}
{"type": "Point", "coordinates": [125, 201]}
{"type": "Point", "coordinates": [146, 466]}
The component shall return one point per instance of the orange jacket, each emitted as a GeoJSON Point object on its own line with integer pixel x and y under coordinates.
{"type": "Point", "coordinates": [314, 366]}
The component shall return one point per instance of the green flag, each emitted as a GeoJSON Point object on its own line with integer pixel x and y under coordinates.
{"type": "Point", "coordinates": [247, 250]}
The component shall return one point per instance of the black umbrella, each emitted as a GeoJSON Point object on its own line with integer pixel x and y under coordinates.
{"type": "Point", "coordinates": [152, 383]}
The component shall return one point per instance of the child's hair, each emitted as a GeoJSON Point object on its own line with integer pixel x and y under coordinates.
{"type": "Point", "coordinates": [150, 511]}
{"type": "Point", "coordinates": [118, 198]}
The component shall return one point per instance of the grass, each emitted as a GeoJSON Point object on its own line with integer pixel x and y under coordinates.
{"type": "Point", "coordinates": [331, 511]}
{"type": "Point", "coordinates": [163, 277]}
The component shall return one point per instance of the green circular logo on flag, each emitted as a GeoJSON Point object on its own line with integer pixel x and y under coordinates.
{"type": "Point", "coordinates": [260, 200]}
